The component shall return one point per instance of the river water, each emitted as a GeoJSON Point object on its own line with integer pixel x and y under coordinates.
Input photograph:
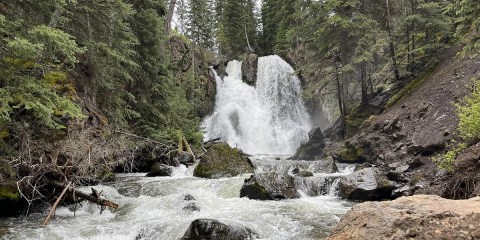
{"type": "Point", "coordinates": [268, 118]}
{"type": "Point", "coordinates": [153, 208]}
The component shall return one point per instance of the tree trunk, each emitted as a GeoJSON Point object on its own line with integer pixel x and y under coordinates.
{"type": "Point", "coordinates": [392, 46]}
{"type": "Point", "coordinates": [168, 18]}
{"type": "Point", "coordinates": [363, 76]}
{"type": "Point", "coordinates": [341, 107]}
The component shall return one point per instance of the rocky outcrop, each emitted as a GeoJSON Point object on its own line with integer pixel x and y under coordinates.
{"type": "Point", "coordinates": [269, 186]}
{"type": "Point", "coordinates": [415, 217]}
{"type": "Point", "coordinates": [366, 184]}
{"type": "Point", "coordinates": [325, 165]}
{"type": "Point", "coordinates": [249, 69]}
{"type": "Point", "coordinates": [313, 147]}
{"type": "Point", "coordinates": [160, 170]}
{"type": "Point", "coordinates": [9, 195]}
{"type": "Point", "coordinates": [221, 161]}
{"type": "Point", "coordinates": [204, 229]}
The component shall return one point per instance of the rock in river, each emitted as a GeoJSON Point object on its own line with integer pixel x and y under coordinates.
{"type": "Point", "coordinates": [210, 229]}
{"type": "Point", "coordinates": [269, 186]}
{"type": "Point", "coordinates": [367, 184]}
{"type": "Point", "coordinates": [222, 160]}
{"type": "Point", "coordinates": [160, 170]}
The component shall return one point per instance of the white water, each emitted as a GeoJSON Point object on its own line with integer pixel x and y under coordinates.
{"type": "Point", "coordinates": [154, 207]}
{"type": "Point", "coordinates": [269, 118]}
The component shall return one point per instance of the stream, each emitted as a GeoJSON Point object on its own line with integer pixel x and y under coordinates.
{"type": "Point", "coordinates": [153, 208]}
{"type": "Point", "coordinates": [268, 121]}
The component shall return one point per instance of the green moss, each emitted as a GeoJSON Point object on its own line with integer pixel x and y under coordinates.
{"type": "Point", "coordinates": [222, 161]}
{"type": "Point", "coordinates": [351, 153]}
{"type": "Point", "coordinates": [9, 191]}
{"type": "Point", "coordinates": [409, 88]}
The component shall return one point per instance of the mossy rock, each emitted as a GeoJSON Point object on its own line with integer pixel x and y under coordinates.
{"type": "Point", "coordinates": [351, 154]}
{"type": "Point", "coordinates": [9, 195]}
{"type": "Point", "coordinates": [222, 160]}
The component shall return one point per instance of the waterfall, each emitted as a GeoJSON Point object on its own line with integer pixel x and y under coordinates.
{"type": "Point", "coordinates": [269, 118]}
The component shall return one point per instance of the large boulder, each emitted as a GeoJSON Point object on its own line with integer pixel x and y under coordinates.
{"type": "Point", "coordinates": [210, 229]}
{"type": "Point", "coordinates": [325, 165]}
{"type": "Point", "coordinates": [414, 217]}
{"type": "Point", "coordinates": [249, 69]}
{"type": "Point", "coordinates": [313, 148]}
{"type": "Point", "coordinates": [269, 186]}
{"type": "Point", "coordinates": [367, 184]}
{"type": "Point", "coordinates": [160, 170]}
{"type": "Point", "coordinates": [222, 160]}
{"type": "Point", "coordinates": [9, 195]}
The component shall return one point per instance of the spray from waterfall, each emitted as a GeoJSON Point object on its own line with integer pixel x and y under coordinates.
{"type": "Point", "coordinates": [269, 118]}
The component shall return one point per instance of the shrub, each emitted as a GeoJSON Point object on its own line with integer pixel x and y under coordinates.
{"type": "Point", "coordinates": [469, 115]}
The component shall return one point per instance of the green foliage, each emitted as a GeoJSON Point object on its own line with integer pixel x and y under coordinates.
{"type": "Point", "coordinates": [468, 23]}
{"type": "Point", "coordinates": [447, 160]}
{"type": "Point", "coordinates": [469, 115]}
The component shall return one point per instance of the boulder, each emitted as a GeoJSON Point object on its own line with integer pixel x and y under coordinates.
{"type": "Point", "coordinates": [325, 165]}
{"type": "Point", "coordinates": [189, 204]}
{"type": "Point", "coordinates": [313, 147]}
{"type": "Point", "coordinates": [222, 160]}
{"type": "Point", "coordinates": [367, 184]}
{"type": "Point", "coordinates": [304, 174]}
{"type": "Point", "coordinates": [185, 158]}
{"type": "Point", "coordinates": [160, 170]}
{"type": "Point", "coordinates": [414, 217]}
{"type": "Point", "coordinates": [269, 186]}
{"type": "Point", "coordinates": [249, 69]}
{"type": "Point", "coordinates": [9, 195]}
{"type": "Point", "coordinates": [206, 229]}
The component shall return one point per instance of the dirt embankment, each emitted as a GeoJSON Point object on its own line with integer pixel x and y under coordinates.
{"type": "Point", "coordinates": [415, 129]}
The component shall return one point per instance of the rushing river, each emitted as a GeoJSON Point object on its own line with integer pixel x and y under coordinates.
{"type": "Point", "coordinates": [269, 117]}
{"type": "Point", "coordinates": [153, 208]}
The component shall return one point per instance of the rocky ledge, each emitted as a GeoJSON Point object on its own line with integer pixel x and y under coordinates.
{"type": "Point", "coordinates": [415, 217]}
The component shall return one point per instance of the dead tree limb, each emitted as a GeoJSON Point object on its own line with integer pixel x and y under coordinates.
{"type": "Point", "coordinates": [189, 149]}
{"type": "Point", "coordinates": [140, 137]}
{"type": "Point", "coordinates": [54, 207]}
{"type": "Point", "coordinates": [89, 197]}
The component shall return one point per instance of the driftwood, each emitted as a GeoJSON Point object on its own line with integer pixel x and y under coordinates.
{"type": "Point", "coordinates": [54, 207]}
{"type": "Point", "coordinates": [94, 197]}
{"type": "Point", "coordinates": [187, 146]}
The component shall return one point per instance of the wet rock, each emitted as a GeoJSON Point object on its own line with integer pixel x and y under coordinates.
{"type": "Point", "coordinates": [160, 170]}
{"type": "Point", "coordinates": [325, 165]}
{"type": "Point", "coordinates": [367, 184]}
{"type": "Point", "coordinates": [190, 204]}
{"type": "Point", "coordinates": [269, 186]}
{"type": "Point", "coordinates": [9, 195]}
{"type": "Point", "coordinates": [313, 147]}
{"type": "Point", "coordinates": [185, 158]}
{"type": "Point", "coordinates": [414, 217]}
{"type": "Point", "coordinates": [221, 161]}
{"type": "Point", "coordinates": [249, 69]}
{"type": "Point", "coordinates": [210, 229]}
{"type": "Point", "coordinates": [304, 174]}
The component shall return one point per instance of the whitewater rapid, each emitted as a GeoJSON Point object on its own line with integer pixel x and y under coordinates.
{"type": "Point", "coordinates": [268, 118]}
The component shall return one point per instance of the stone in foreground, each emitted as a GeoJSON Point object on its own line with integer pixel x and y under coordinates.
{"type": "Point", "coordinates": [206, 229]}
{"type": "Point", "coordinates": [414, 217]}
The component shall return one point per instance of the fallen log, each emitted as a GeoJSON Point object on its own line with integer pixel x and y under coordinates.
{"type": "Point", "coordinates": [94, 197]}
{"type": "Point", "coordinates": [54, 207]}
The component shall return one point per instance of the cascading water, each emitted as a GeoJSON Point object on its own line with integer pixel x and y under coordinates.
{"type": "Point", "coordinates": [269, 118]}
